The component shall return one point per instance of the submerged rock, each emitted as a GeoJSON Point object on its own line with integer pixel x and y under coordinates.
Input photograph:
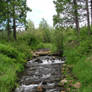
{"type": "Point", "coordinates": [38, 61]}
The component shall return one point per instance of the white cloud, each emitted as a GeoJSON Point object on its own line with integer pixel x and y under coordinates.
{"type": "Point", "coordinates": [41, 9]}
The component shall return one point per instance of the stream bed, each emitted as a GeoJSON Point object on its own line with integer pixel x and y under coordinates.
{"type": "Point", "coordinates": [42, 74]}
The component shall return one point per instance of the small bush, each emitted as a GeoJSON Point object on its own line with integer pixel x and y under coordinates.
{"type": "Point", "coordinates": [58, 40]}
{"type": "Point", "coordinates": [33, 41]}
{"type": "Point", "coordinates": [11, 52]}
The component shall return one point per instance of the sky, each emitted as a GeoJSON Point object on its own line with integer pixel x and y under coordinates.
{"type": "Point", "coordinates": [41, 9]}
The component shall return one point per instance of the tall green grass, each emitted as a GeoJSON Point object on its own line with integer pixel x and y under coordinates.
{"type": "Point", "coordinates": [11, 61]}
{"type": "Point", "coordinates": [78, 52]}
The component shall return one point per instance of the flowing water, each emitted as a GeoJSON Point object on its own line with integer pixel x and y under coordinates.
{"type": "Point", "coordinates": [42, 74]}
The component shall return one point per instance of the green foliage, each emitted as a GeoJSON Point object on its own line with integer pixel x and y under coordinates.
{"type": "Point", "coordinates": [78, 52]}
{"type": "Point", "coordinates": [23, 47]}
{"type": "Point", "coordinates": [30, 26]}
{"type": "Point", "coordinates": [46, 30]}
{"type": "Point", "coordinates": [13, 14]}
{"type": "Point", "coordinates": [51, 46]}
{"type": "Point", "coordinates": [83, 70]}
{"type": "Point", "coordinates": [33, 41]}
{"type": "Point", "coordinates": [29, 39]}
{"type": "Point", "coordinates": [11, 52]}
{"type": "Point", "coordinates": [58, 38]}
{"type": "Point", "coordinates": [11, 61]}
{"type": "Point", "coordinates": [86, 89]}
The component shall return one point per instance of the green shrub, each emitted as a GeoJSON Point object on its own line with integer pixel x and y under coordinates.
{"type": "Point", "coordinates": [78, 52]}
{"type": "Point", "coordinates": [33, 41]}
{"type": "Point", "coordinates": [86, 89]}
{"type": "Point", "coordinates": [58, 40]}
{"type": "Point", "coordinates": [12, 53]}
{"type": "Point", "coordinates": [83, 70]}
{"type": "Point", "coordinates": [72, 56]}
{"type": "Point", "coordinates": [24, 48]}
{"type": "Point", "coordinates": [8, 71]}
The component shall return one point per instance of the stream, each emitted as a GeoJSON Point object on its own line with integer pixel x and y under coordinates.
{"type": "Point", "coordinates": [42, 74]}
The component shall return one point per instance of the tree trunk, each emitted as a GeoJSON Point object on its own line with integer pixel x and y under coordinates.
{"type": "Point", "coordinates": [8, 28]}
{"type": "Point", "coordinates": [14, 28]}
{"type": "Point", "coordinates": [14, 23]}
{"type": "Point", "coordinates": [91, 12]}
{"type": "Point", "coordinates": [76, 16]}
{"type": "Point", "coordinates": [88, 20]}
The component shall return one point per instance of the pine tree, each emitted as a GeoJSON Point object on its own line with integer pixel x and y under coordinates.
{"type": "Point", "coordinates": [13, 13]}
{"type": "Point", "coordinates": [67, 13]}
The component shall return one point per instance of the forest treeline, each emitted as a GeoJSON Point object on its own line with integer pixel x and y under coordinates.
{"type": "Point", "coordinates": [73, 13]}
{"type": "Point", "coordinates": [70, 13]}
{"type": "Point", "coordinates": [13, 13]}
